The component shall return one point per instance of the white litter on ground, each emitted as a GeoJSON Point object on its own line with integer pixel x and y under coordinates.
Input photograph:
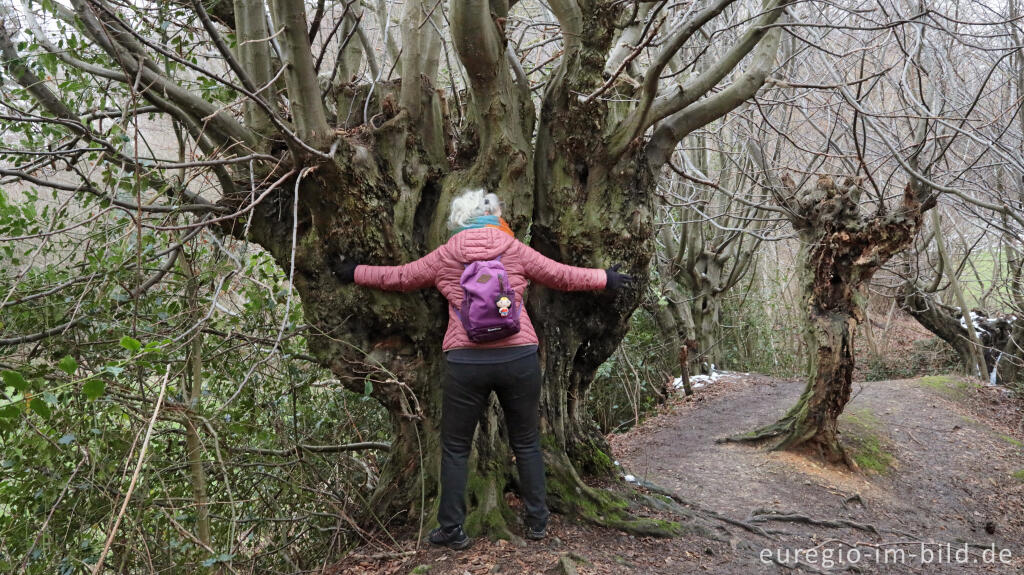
{"type": "Point", "coordinates": [629, 478]}
{"type": "Point", "coordinates": [699, 381]}
{"type": "Point", "coordinates": [993, 378]}
{"type": "Point", "coordinates": [986, 328]}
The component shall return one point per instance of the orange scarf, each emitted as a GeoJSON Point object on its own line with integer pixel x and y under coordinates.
{"type": "Point", "coordinates": [503, 226]}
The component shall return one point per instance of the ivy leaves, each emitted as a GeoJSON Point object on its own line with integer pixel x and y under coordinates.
{"type": "Point", "coordinates": [68, 365]}
{"type": "Point", "coordinates": [43, 391]}
{"type": "Point", "coordinates": [15, 380]}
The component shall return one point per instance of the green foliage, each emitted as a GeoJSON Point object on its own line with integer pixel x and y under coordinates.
{"type": "Point", "coordinates": [75, 405]}
{"type": "Point", "coordinates": [130, 343]}
{"type": "Point", "coordinates": [629, 384]}
{"type": "Point", "coordinates": [15, 380]}
{"type": "Point", "coordinates": [68, 365]}
{"type": "Point", "coordinates": [94, 388]}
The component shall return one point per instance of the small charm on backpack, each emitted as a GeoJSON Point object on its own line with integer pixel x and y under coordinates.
{"type": "Point", "coordinates": [504, 304]}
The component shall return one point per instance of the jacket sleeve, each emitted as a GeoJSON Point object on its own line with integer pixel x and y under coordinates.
{"type": "Point", "coordinates": [411, 276]}
{"type": "Point", "coordinates": [559, 276]}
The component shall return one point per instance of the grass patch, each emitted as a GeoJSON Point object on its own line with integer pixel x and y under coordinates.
{"type": "Point", "coordinates": [1012, 441]}
{"type": "Point", "coordinates": [985, 262]}
{"type": "Point", "coordinates": [863, 417]}
{"type": "Point", "coordinates": [1019, 475]}
{"type": "Point", "coordinates": [948, 386]}
{"type": "Point", "coordinates": [864, 441]}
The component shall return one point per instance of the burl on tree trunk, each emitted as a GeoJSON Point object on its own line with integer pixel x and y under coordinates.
{"type": "Point", "coordinates": [842, 246]}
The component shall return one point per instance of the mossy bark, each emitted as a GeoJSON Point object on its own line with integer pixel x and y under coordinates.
{"type": "Point", "coordinates": [395, 196]}
{"type": "Point", "coordinates": [569, 494]}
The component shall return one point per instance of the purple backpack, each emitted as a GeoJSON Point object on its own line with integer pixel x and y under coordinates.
{"type": "Point", "coordinates": [489, 310]}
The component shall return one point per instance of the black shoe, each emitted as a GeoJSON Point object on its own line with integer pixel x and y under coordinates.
{"type": "Point", "coordinates": [452, 538]}
{"type": "Point", "coordinates": [536, 532]}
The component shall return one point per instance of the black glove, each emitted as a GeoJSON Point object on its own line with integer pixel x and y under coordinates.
{"type": "Point", "coordinates": [344, 271]}
{"type": "Point", "coordinates": [616, 280]}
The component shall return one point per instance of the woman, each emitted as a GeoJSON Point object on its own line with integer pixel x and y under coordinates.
{"type": "Point", "coordinates": [508, 366]}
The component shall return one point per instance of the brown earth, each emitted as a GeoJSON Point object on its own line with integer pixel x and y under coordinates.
{"type": "Point", "coordinates": [946, 453]}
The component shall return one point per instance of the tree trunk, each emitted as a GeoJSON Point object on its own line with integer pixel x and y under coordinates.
{"type": "Point", "coordinates": [1010, 362]}
{"type": "Point", "coordinates": [684, 364]}
{"type": "Point", "coordinates": [976, 366]}
{"type": "Point", "coordinates": [194, 388]}
{"type": "Point", "coordinates": [670, 331]}
{"type": "Point", "coordinates": [841, 249]}
{"type": "Point", "coordinates": [706, 310]}
{"type": "Point", "coordinates": [869, 334]}
{"type": "Point", "coordinates": [829, 330]}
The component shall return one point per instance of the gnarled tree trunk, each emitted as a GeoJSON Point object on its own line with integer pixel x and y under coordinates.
{"type": "Point", "coordinates": [841, 249]}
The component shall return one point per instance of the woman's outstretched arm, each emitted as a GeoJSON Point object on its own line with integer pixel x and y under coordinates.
{"type": "Point", "coordinates": [559, 276]}
{"type": "Point", "coordinates": [411, 276]}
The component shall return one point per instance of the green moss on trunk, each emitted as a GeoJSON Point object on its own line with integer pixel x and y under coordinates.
{"type": "Point", "coordinates": [570, 495]}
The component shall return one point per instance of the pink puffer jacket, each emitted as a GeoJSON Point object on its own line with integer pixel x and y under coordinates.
{"type": "Point", "coordinates": [443, 268]}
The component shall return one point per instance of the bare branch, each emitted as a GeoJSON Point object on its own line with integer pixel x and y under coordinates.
{"type": "Point", "coordinates": [381, 445]}
{"type": "Point", "coordinates": [303, 88]}
{"type": "Point", "coordinates": [477, 41]}
{"type": "Point", "coordinates": [30, 338]}
{"type": "Point", "coordinates": [117, 40]}
{"type": "Point", "coordinates": [675, 128]}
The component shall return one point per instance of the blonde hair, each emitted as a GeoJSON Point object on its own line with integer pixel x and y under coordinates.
{"type": "Point", "coordinates": [472, 204]}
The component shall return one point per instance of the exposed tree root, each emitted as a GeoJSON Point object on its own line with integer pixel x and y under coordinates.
{"type": "Point", "coordinates": [760, 434]}
{"type": "Point", "coordinates": [796, 518]}
{"type": "Point", "coordinates": [677, 504]}
{"type": "Point", "coordinates": [489, 512]}
{"type": "Point", "coordinates": [793, 436]}
{"type": "Point", "coordinates": [570, 495]}
{"type": "Point", "coordinates": [567, 565]}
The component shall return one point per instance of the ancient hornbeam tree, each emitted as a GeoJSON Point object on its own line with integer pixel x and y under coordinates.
{"type": "Point", "coordinates": [841, 248]}
{"type": "Point", "coordinates": [707, 240]}
{"type": "Point", "coordinates": [326, 131]}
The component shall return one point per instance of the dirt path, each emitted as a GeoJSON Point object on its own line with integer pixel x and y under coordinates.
{"type": "Point", "coordinates": [951, 453]}
{"type": "Point", "coordinates": [938, 457]}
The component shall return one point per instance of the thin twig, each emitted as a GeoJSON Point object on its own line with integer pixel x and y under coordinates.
{"type": "Point", "coordinates": [135, 476]}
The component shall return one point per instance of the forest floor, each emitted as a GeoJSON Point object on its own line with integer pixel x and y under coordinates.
{"type": "Point", "coordinates": [942, 465]}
